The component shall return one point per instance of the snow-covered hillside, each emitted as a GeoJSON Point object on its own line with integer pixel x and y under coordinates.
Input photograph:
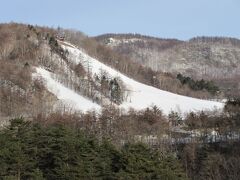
{"type": "Point", "coordinates": [66, 95]}
{"type": "Point", "coordinates": [139, 96]}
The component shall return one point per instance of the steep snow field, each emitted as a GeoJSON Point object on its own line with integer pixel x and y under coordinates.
{"type": "Point", "coordinates": [64, 94]}
{"type": "Point", "coordinates": [141, 95]}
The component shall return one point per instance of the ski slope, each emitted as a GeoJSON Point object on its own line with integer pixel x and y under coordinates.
{"type": "Point", "coordinates": [66, 95]}
{"type": "Point", "coordinates": [141, 95]}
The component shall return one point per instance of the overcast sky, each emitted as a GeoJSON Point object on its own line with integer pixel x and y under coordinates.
{"type": "Point", "coordinates": [182, 19]}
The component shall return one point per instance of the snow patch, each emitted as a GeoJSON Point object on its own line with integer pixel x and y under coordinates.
{"type": "Point", "coordinates": [116, 42]}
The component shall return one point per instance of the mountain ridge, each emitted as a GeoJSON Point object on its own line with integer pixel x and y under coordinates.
{"type": "Point", "coordinates": [210, 58]}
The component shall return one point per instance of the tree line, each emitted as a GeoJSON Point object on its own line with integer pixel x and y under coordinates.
{"type": "Point", "coordinates": [198, 85]}
{"type": "Point", "coordinates": [31, 150]}
{"type": "Point", "coordinates": [105, 146]}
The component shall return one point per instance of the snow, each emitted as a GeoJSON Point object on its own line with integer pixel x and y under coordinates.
{"type": "Point", "coordinates": [141, 95]}
{"type": "Point", "coordinates": [116, 42]}
{"type": "Point", "coordinates": [65, 94]}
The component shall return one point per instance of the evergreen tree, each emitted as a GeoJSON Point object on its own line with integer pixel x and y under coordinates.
{"type": "Point", "coordinates": [115, 91]}
{"type": "Point", "coordinates": [57, 151]}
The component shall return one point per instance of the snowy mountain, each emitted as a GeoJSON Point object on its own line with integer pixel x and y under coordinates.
{"type": "Point", "coordinates": [134, 94]}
